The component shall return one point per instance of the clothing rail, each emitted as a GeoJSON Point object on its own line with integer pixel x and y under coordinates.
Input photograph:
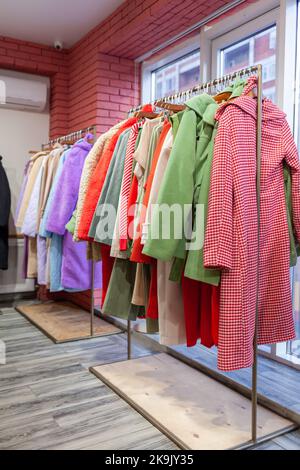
{"type": "Point", "coordinates": [180, 96]}
{"type": "Point", "coordinates": [72, 137]}
{"type": "Point", "coordinates": [184, 95]}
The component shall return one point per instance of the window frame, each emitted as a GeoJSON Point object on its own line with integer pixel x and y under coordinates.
{"type": "Point", "coordinates": [176, 63]}
{"type": "Point", "coordinates": [162, 60]}
{"type": "Point", "coordinates": [242, 34]}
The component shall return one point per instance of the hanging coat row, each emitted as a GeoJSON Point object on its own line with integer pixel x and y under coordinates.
{"type": "Point", "coordinates": [48, 198]}
{"type": "Point", "coordinates": [203, 156]}
{"type": "Point", "coordinates": [109, 197]}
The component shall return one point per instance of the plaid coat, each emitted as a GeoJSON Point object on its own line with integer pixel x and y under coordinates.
{"type": "Point", "coordinates": [231, 241]}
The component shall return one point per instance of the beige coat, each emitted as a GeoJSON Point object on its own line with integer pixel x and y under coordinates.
{"type": "Point", "coordinates": [32, 258]}
{"type": "Point", "coordinates": [170, 303]}
{"type": "Point", "coordinates": [141, 156]}
{"type": "Point", "coordinates": [34, 168]}
{"type": "Point", "coordinates": [170, 307]}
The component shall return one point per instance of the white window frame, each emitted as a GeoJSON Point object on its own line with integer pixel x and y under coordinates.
{"type": "Point", "coordinates": [243, 35]}
{"type": "Point", "coordinates": [163, 59]}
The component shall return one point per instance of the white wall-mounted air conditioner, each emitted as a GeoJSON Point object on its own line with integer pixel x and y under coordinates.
{"type": "Point", "coordinates": [23, 91]}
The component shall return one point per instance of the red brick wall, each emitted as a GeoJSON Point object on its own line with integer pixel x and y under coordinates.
{"type": "Point", "coordinates": [102, 88]}
{"type": "Point", "coordinates": [42, 60]}
{"type": "Point", "coordinates": [104, 79]}
{"type": "Point", "coordinates": [97, 81]}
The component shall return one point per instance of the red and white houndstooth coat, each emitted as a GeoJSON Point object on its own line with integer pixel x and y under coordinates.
{"type": "Point", "coordinates": [231, 241]}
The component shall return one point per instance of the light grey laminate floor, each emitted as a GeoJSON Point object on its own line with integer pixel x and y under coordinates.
{"type": "Point", "coordinates": [49, 399]}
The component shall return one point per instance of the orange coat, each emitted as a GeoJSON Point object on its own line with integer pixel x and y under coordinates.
{"type": "Point", "coordinates": [97, 181]}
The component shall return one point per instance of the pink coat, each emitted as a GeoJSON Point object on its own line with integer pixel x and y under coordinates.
{"type": "Point", "coordinates": [231, 241]}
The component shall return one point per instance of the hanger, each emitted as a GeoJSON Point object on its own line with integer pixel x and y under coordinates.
{"type": "Point", "coordinates": [222, 96]}
{"type": "Point", "coordinates": [145, 114]}
{"type": "Point", "coordinates": [175, 108]}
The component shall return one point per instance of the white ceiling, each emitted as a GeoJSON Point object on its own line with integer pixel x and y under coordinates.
{"type": "Point", "coordinates": [46, 21]}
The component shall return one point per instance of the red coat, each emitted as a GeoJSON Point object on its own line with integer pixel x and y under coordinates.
{"type": "Point", "coordinates": [231, 241]}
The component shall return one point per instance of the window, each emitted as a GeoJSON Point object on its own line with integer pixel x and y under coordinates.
{"type": "Point", "coordinates": [291, 350]}
{"type": "Point", "coordinates": [259, 48]}
{"type": "Point", "coordinates": [178, 75]}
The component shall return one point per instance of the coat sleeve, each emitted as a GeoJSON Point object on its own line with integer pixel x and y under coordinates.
{"type": "Point", "coordinates": [292, 159]}
{"type": "Point", "coordinates": [175, 194]}
{"type": "Point", "coordinates": [66, 194]}
{"type": "Point", "coordinates": [218, 244]}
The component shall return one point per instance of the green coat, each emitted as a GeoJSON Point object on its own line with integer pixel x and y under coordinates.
{"type": "Point", "coordinates": [182, 180]}
{"type": "Point", "coordinates": [186, 182]}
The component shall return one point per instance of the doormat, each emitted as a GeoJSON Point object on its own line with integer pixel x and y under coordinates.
{"type": "Point", "coordinates": [63, 321]}
{"type": "Point", "coordinates": [192, 409]}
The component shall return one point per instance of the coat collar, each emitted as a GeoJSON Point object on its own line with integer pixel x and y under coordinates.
{"type": "Point", "coordinates": [200, 103]}
{"type": "Point", "coordinates": [271, 112]}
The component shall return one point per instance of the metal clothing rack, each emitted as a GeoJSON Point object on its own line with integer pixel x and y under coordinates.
{"type": "Point", "coordinates": [183, 96]}
{"type": "Point", "coordinates": [72, 137]}
{"type": "Point", "coordinates": [68, 139]}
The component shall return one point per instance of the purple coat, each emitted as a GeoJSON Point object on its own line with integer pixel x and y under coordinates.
{"type": "Point", "coordinates": [76, 269]}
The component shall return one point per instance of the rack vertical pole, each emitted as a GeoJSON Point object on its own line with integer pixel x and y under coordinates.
{"type": "Point", "coordinates": [93, 274]}
{"type": "Point", "coordinates": [129, 333]}
{"type": "Point", "coordinates": [258, 186]}
{"type": "Point", "coordinates": [92, 299]}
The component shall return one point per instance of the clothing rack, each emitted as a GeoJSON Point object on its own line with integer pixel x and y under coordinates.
{"type": "Point", "coordinates": [181, 97]}
{"type": "Point", "coordinates": [68, 138]}
{"type": "Point", "coordinates": [186, 94]}
{"type": "Point", "coordinates": [72, 137]}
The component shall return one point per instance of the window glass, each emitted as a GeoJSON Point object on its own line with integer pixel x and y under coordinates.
{"type": "Point", "coordinates": [179, 75]}
{"type": "Point", "coordinates": [293, 348]}
{"type": "Point", "coordinates": [259, 48]}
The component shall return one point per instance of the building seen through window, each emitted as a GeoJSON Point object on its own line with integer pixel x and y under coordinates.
{"type": "Point", "coordinates": [257, 49]}
{"type": "Point", "coordinates": [177, 76]}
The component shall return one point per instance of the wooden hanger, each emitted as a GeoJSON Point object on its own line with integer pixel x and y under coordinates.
{"type": "Point", "coordinates": [175, 108]}
{"type": "Point", "coordinates": [145, 114]}
{"type": "Point", "coordinates": [33, 152]}
{"type": "Point", "coordinates": [253, 93]}
{"type": "Point", "coordinates": [221, 97]}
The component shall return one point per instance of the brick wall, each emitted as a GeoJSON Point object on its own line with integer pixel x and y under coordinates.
{"type": "Point", "coordinates": [42, 60]}
{"type": "Point", "coordinates": [104, 78]}
{"type": "Point", "coordinates": [97, 80]}
{"type": "Point", "coordinates": [102, 88]}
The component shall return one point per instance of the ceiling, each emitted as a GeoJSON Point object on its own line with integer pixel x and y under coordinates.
{"type": "Point", "coordinates": [46, 21]}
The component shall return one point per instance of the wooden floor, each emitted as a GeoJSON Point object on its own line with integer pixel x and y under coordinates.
{"type": "Point", "coordinates": [49, 399]}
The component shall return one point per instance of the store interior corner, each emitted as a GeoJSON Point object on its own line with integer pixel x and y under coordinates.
{"type": "Point", "coordinates": [150, 227]}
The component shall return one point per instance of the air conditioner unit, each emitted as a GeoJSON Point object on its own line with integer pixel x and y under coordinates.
{"type": "Point", "coordinates": [23, 91]}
